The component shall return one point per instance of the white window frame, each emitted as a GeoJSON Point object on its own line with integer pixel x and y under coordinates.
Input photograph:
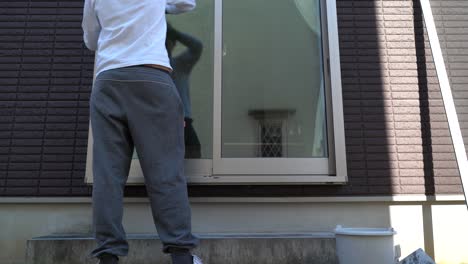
{"type": "Point", "coordinates": [331, 170]}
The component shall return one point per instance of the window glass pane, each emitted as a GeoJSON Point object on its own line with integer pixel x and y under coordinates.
{"type": "Point", "coordinates": [273, 101]}
{"type": "Point", "coordinates": [191, 47]}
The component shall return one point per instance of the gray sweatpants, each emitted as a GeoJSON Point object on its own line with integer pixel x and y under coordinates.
{"type": "Point", "coordinates": [138, 107]}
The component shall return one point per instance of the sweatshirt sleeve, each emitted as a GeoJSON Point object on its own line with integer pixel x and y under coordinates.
{"type": "Point", "coordinates": [179, 6]}
{"type": "Point", "coordinates": [90, 25]}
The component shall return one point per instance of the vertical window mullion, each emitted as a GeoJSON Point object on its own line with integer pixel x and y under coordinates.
{"type": "Point", "coordinates": [336, 92]}
{"type": "Point", "coordinates": [217, 83]}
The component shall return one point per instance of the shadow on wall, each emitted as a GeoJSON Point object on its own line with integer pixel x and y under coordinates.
{"type": "Point", "coordinates": [426, 129]}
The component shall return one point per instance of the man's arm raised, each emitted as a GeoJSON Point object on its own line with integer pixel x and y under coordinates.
{"type": "Point", "coordinates": [91, 26]}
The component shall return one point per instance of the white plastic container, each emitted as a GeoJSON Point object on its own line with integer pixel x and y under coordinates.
{"type": "Point", "coordinates": [365, 245]}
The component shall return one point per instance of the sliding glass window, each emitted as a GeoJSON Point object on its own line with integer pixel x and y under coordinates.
{"type": "Point", "coordinates": [255, 80]}
{"type": "Point", "coordinates": [273, 109]}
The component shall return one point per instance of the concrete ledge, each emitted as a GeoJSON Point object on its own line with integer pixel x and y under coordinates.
{"type": "Point", "coordinates": [317, 248]}
{"type": "Point", "coordinates": [409, 198]}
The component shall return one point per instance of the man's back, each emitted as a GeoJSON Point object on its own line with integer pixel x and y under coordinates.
{"type": "Point", "coordinates": [129, 32]}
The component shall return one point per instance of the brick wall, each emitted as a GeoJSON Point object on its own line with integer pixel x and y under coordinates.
{"type": "Point", "coordinates": [396, 130]}
{"type": "Point", "coordinates": [451, 18]}
{"type": "Point", "coordinates": [45, 77]}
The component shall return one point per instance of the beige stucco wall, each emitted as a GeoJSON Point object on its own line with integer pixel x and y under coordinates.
{"type": "Point", "coordinates": [25, 219]}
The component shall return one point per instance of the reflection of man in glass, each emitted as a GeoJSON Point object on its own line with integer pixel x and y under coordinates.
{"type": "Point", "coordinates": [182, 65]}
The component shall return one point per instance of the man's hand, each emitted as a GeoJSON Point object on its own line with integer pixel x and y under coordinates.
{"type": "Point", "coordinates": [179, 6]}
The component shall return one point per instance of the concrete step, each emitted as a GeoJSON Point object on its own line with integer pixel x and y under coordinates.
{"type": "Point", "coordinates": [311, 248]}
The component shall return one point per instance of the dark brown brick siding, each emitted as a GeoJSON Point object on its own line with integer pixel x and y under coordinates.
{"type": "Point", "coordinates": [396, 130]}
{"type": "Point", "coordinates": [45, 81]}
{"type": "Point", "coordinates": [451, 18]}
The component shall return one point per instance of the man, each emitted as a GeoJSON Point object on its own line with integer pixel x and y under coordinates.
{"type": "Point", "coordinates": [134, 103]}
{"type": "Point", "coordinates": [182, 65]}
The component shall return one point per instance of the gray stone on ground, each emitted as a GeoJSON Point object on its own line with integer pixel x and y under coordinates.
{"type": "Point", "coordinates": [418, 257]}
